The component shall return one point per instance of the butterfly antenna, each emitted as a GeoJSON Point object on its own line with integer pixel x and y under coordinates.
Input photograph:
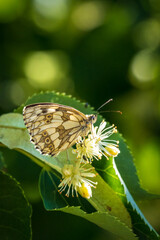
{"type": "Point", "coordinates": [110, 111]}
{"type": "Point", "coordinates": [104, 104]}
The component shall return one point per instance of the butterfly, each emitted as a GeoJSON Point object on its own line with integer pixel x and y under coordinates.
{"type": "Point", "coordinates": [54, 128]}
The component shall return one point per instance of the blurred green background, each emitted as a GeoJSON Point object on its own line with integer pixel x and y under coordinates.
{"type": "Point", "coordinates": [93, 50]}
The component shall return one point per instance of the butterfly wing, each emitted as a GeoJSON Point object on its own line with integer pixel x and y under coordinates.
{"type": "Point", "coordinates": [53, 127]}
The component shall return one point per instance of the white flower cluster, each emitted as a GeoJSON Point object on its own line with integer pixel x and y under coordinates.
{"type": "Point", "coordinates": [94, 146]}
{"type": "Point", "coordinates": [97, 144]}
{"type": "Point", "coordinates": [75, 177]}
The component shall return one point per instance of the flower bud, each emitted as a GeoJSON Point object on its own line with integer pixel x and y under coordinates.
{"type": "Point", "coordinates": [112, 150]}
{"type": "Point", "coordinates": [85, 190]}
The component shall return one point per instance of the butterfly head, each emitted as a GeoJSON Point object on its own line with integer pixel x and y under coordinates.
{"type": "Point", "coordinates": [92, 118]}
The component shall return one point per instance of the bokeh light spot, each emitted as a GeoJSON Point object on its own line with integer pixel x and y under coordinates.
{"type": "Point", "coordinates": [144, 68]}
{"type": "Point", "coordinates": [41, 67]}
{"type": "Point", "coordinates": [51, 9]}
{"type": "Point", "coordinates": [46, 69]}
{"type": "Point", "coordinates": [89, 15]}
{"type": "Point", "coordinates": [49, 14]}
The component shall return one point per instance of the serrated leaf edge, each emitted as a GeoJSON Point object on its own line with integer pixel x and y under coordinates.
{"type": "Point", "coordinates": [131, 200]}
{"type": "Point", "coordinates": [97, 212]}
{"type": "Point", "coordinates": [57, 93]}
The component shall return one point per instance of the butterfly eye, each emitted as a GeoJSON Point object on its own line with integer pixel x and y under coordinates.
{"type": "Point", "coordinates": [94, 118]}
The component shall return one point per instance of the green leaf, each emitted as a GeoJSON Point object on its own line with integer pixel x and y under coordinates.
{"type": "Point", "coordinates": [15, 211]}
{"type": "Point", "coordinates": [53, 200]}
